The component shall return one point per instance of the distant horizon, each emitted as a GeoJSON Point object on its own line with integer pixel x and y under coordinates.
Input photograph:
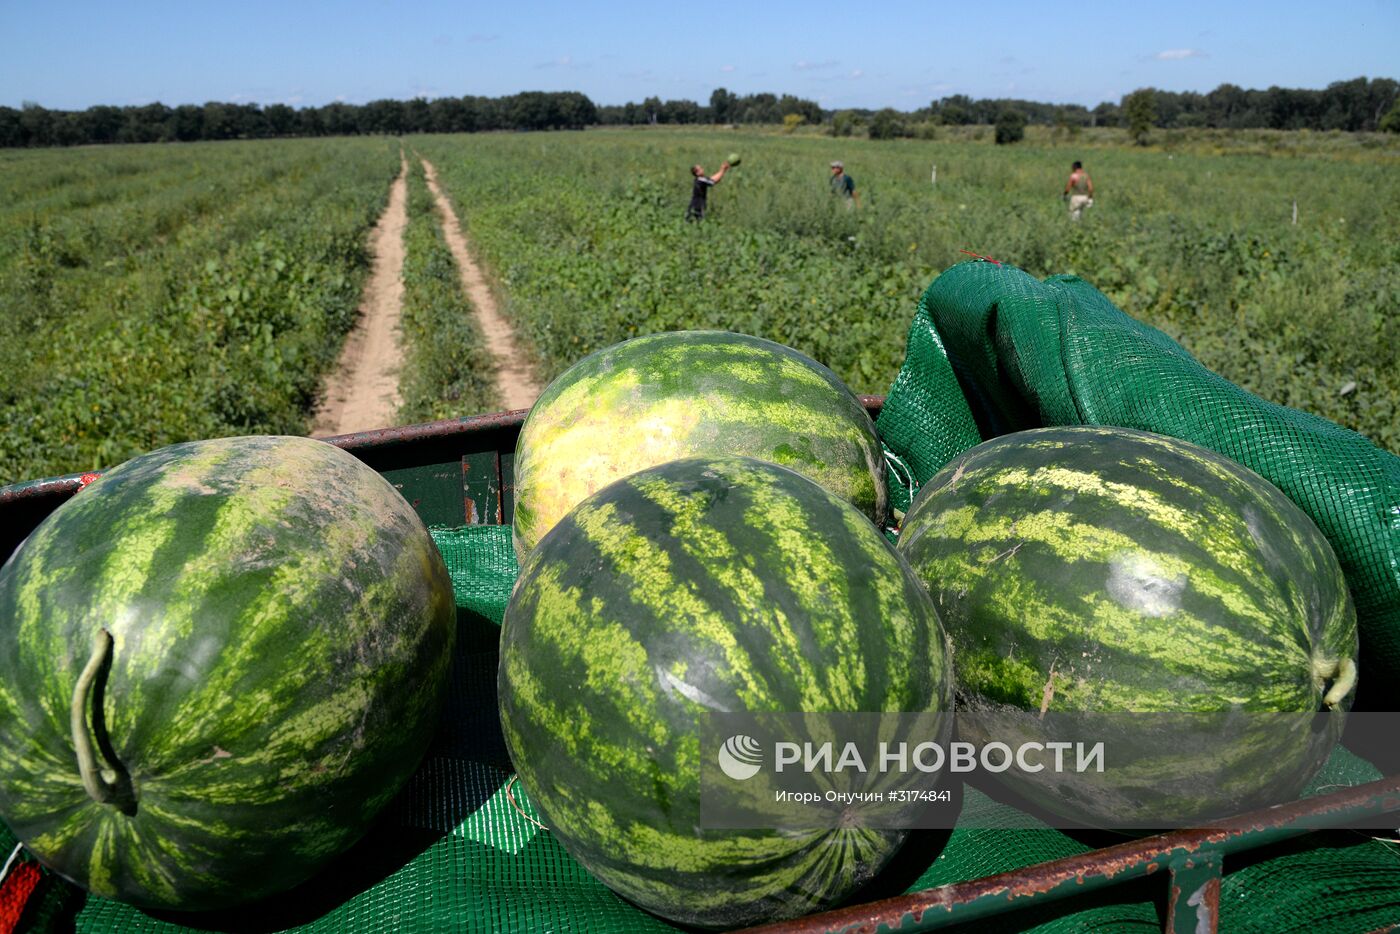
{"type": "Point", "coordinates": [902, 55]}
{"type": "Point", "coordinates": [703, 101]}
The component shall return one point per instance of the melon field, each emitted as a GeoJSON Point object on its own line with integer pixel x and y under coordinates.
{"type": "Point", "coordinates": [152, 294]}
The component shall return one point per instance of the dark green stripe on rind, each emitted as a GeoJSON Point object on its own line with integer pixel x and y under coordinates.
{"type": "Point", "coordinates": [704, 585]}
{"type": "Point", "coordinates": [1095, 546]}
{"type": "Point", "coordinates": [282, 627]}
{"type": "Point", "coordinates": [691, 393]}
{"type": "Point", "coordinates": [1100, 569]}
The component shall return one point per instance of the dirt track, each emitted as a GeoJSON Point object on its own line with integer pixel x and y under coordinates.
{"type": "Point", "coordinates": [363, 392]}
{"type": "Point", "coordinates": [515, 383]}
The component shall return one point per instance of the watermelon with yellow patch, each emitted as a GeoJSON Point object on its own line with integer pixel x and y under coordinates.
{"type": "Point", "coordinates": [706, 585]}
{"type": "Point", "coordinates": [217, 663]}
{"type": "Point", "coordinates": [1090, 570]}
{"type": "Point", "coordinates": [690, 393]}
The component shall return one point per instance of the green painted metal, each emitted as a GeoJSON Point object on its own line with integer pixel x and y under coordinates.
{"type": "Point", "coordinates": [481, 486]}
{"type": "Point", "coordinates": [507, 487]}
{"type": "Point", "coordinates": [1191, 858]}
{"type": "Point", "coordinates": [434, 491]}
{"type": "Point", "coordinates": [1194, 903]}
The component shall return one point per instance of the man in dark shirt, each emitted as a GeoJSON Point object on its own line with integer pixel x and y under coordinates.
{"type": "Point", "coordinates": [842, 184]}
{"type": "Point", "coordinates": [701, 189]}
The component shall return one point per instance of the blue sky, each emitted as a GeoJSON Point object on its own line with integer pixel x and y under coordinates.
{"type": "Point", "coordinates": [75, 54]}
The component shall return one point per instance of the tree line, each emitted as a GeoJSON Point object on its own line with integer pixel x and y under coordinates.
{"type": "Point", "coordinates": [1360, 104]}
{"type": "Point", "coordinates": [33, 125]}
{"type": "Point", "coordinates": [724, 107]}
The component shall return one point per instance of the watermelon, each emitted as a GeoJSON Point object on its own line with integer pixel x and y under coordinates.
{"type": "Point", "coordinates": [218, 662]}
{"type": "Point", "coordinates": [687, 393]}
{"type": "Point", "coordinates": [705, 584]}
{"type": "Point", "coordinates": [1101, 570]}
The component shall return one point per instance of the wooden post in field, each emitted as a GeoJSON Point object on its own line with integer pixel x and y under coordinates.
{"type": "Point", "coordinates": [1295, 212]}
{"type": "Point", "coordinates": [933, 179]}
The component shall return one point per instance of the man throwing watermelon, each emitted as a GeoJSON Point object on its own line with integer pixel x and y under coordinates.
{"type": "Point", "coordinates": [701, 189]}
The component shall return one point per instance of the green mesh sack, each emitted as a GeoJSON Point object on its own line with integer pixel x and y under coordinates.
{"type": "Point", "coordinates": [992, 350]}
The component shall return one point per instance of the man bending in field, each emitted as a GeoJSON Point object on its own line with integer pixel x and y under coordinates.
{"type": "Point", "coordinates": [703, 184]}
{"type": "Point", "coordinates": [1079, 190]}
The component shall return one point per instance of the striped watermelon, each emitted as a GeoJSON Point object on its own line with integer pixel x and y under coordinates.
{"type": "Point", "coordinates": [1102, 569]}
{"type": "Point", "coordinates": [687, 393]}
{"type": "Point", "coordinates": [701, 585]}
{"type": "Point", "coordinates": [246, 641]}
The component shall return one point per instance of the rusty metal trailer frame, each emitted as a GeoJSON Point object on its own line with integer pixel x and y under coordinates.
{"type": "Point", "coordinates": [458, 472]}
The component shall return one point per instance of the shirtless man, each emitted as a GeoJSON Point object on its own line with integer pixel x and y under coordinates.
{"type": "Point", "coordinates": [1079, 190]}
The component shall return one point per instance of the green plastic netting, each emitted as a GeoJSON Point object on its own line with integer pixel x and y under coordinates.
{"type": "Point", "coordinates": [458, 851]}
{"type": "Point", "coordinates": [991, 350]}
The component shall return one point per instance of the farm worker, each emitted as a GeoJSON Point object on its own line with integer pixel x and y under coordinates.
{"type": "Point", "coordinates": [1079, 190]}
{"type": "Point", "coordinates": [703, 183]}
{"type": "Point", "coordinates": [842, 184]}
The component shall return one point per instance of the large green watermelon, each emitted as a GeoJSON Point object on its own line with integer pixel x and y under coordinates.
{"type": "Point", "coordinates": [688, 393]}
{"type": "Point", "coordinates": [266, 630]}
{"type": "Point", "coordinates": [702, 585]}
{"type": "Point", "coordinates": [1106, 570]}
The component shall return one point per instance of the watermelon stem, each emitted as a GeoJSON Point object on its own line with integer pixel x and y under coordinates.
{"type": "Point", "coordinates": [115, 790]}
{"type": "Point", "coordinates": [1342, 675]}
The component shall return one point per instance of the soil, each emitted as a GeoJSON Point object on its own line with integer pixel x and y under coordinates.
{"type": "Point", "coordinates": [363, 392]}
{"type": "Point", "coordinates": [515, 382]}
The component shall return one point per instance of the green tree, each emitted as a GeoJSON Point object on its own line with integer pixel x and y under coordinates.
{"type": "Point", "coordinates": [680, 111]}
{"type": "Point", "coordinates": [1105, 114]}
{"type": "Point", "coordinates": [1390, 123]}
{"type": "Point", "coordinates": [104, 123]}
{"type": "Point", "coordinates": [887, 124]}
{"type": "Point", "coordinates": [845, 123]}
{"type": "Point", "coordinates": [1011, 127]}
{"type": "Point", "coordinates": [218, 122]}
{"type": "Point", "coordinates": [417, 116]}
{"type": "Point", "coordinates": [721, 106]}
{"type": "Point", "coordinates": [341, 119]}
{"type": "Point", "coordinates": [792, 121]}
{"type": "Point", "coordinates": [810, 111]}
{"type": "Point", "coordinates": [954, 111]}
{"type": "Point", "coordinates": [1140, 113]}
{"type": "Point", "coordinates": [281, 119]}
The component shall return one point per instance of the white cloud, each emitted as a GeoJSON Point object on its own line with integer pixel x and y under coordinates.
{"type": "Point", "coordinates": [563, 61]}
{"type": "Point", "coordinates": [1176, 55]}
{"type": "Point", "coordinates": [809, 66]}
{"type": "Point", "coordinates": [726, 68]}
{"type": "Point", "coordinates": [857, 73]}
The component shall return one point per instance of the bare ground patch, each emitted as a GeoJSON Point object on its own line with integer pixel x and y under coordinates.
{"type": "Point", "coordinates": [363, 392]}
{"type": "Point", "coordinates": [515, 381]}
